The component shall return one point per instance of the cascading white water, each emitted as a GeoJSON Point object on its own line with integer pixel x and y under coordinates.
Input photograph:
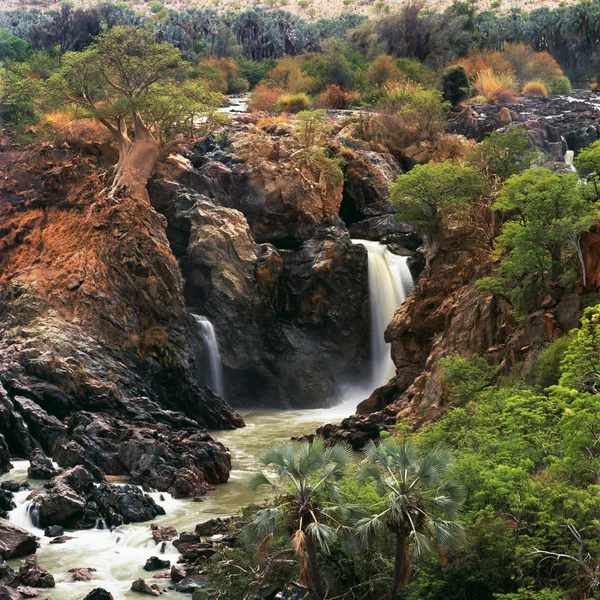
{"type": "Point", "coordinates": [390, 282]}
{"type": "Point", "coordinates": [569, 155]}
{"type": "Point", "coordinates": [214, 358]}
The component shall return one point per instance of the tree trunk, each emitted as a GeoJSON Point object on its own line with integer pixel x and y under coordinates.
{"type": "Point", "coordinates": [136, 161]}
{"type": "Point", "coordinates": [401, 566]}
{"type": "Point", "coordinates": [314, 569]}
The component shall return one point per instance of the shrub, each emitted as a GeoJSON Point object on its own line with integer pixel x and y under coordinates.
{"type": "Point", "coordinates": [455, 84]}
{"type": "Point", "coordinates": [156, 7]}
{"type": "Point", "coordinates": [559, 85]}
{"type": "Point", "coordinates": [381, 70]}
{"type": "Point", "coordinates": [494, 88]}
{"type": "Point", "coordinates": [263, 98]}
{"type": "Point", "coordinates": [465, 377]}
{"type": "Point", "coordinates": [535, 89]}
{"type": "Point", "coordinates": [293, 102]}
{"type": "Point", "coordinates": [333, 97]}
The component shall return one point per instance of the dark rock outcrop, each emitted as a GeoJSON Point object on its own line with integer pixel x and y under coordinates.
{"type": "Point", "coordinates": [155, 564]}
{"type": "Point", "coordinates": [40, 466]}
{"type": "Point", "coordinates": [93, 321]}
{"type": "Point", "coordinates": [32, 575]}
{"type": "Point", "coordinates": [99, 594]}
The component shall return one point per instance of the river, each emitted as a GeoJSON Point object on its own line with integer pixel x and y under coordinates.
{"type": "Point", "coordinates": [120, 555]}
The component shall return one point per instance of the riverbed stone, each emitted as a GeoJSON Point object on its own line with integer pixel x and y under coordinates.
{"type": "Point", "coordinates": [53, 531]}
{"type": "Point", "coordinates": [27, 592]}
{"type": "Point", "coordinates": [32, 575]}
{"type": "Point", "coordinates": [15, 541]}
{"type": "Point", "coordinates": [99, 594]}
{"type": "Point", "coordinates": [82, 573]}
{"type": "Point", "coordinates": [40, 466]}
{"type": "Point", "coordinates": [154, 564]}
{"type": "Point", "coordinates": [8, 593]}
{"type": "Point", "coordinates": [212, 527]}
{"type": "Point", "coordinates": [163, 534]}
{"type": "Point", "coordinates": [178, 573]}
{"type": "Point", "coordinates": [139, 585]}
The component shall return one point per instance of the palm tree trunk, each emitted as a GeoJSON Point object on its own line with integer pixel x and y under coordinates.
{"type": "Point", "coordinates": [314, 569]}
{"type": "Point", "coordinates": [400, 566]}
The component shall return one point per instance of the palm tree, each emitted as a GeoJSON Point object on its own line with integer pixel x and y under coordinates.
{"type": "Point", "coordinates": [417, 505]}
{"type": "Point", "coordinates": [306, 474]}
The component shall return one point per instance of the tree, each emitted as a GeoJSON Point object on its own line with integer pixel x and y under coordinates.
{"type": "Point", "coordinates": [429, 195]}
{"type": "Point", "coordinates": [546, 213]}
{"type": "Point", "coordinates": [304, 475]}
{"type": "Point", "coordinates": [417, 505]}
{"type": "Point", "coordinates": [455, 84]}
{"type": "Point", "coordinates": [12, 48]}
{"type": "Point", "coordinates": [587, 163]}
{"type": "Point", "coordinates": [129, 81]}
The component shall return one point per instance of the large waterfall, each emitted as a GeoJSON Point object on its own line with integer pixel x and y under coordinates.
{"type": "Point", "coordinates": [390, 282]}
{"type": "Point", "coordinates": [212, 350]}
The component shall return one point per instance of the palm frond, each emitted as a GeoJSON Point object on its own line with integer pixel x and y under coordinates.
{"type": "Point", "coordinates": [255, 480]}
{"type": "Point", "coordinates": [263, 524]}
{"type": "Point", "coordinates": [321, 533]}
{"type": "Point", "coordinates": [369, 527]}
{"type": "Point", "coordinates": [434, 465]}
{"type": "Point", "coordinates": [261, 551]}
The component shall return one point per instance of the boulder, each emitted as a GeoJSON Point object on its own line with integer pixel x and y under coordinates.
{"type": "Point", "coordinates": [32, 575]}
{"type": "Point", "coordinates": [27, 592]}
{"type": "Point", "coordinates": [15, 541]}
{"type": "Point", "coordinates": [60, 505]}
{"type": "Point", "coordinates": [54, 531]}
{"type": "Point", "coordinates": [189, 585]}
{"type": "Point", "coordinates": [8, 593]}
{"type": "Point", "coordinates": [163, 534]}
{"type": "Point", "coordinates": [154, 564]}
{"type": "Point", "coordinates": [139, 585]}
{"type": "Point", "coordinates": [212, 527]}
{"type": "Point", "coordinates": [82, 574]}
{"type": "Point", "coordinates": [7, 575]}
{"type": "Point", "coordinates": [5, 464]}
{"type": "Point", "coordinates": [6, 503]}
{"type": "Point", "coordinates": [178, 573]}
{"type": "Point", "coordinates": [61, 539]}
{"type": "Point", "coordinates": [40, 466]}
{"type": "Point", "coordinates": [99, 594]}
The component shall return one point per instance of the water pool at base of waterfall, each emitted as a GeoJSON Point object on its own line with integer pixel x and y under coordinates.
{"type": "Point", "coordinates": [118, 556]}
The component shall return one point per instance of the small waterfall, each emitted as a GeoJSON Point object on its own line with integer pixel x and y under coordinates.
{"type": "Point", "coordinates": [569, 155]}
{"type": "Point", "coordinates": [214, 358]}
{"type": "Point", "coordinates": [390, 282]}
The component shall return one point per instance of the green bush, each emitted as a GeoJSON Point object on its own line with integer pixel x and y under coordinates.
{"type": "Point", "coordinates": [293, 102]}
{"type": "Point", "coordinates": [559, 85]}
{"type": "Point", "coordinates": [455, 84]}
{"type": "Point", "coordinates": [465, 377]}
{"type": "Point", "coordinates": [547, 371]}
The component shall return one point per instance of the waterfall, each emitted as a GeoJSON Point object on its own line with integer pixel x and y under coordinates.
{"type": "Point", "coordinates": [214, 358]}
{"type": "Point", "coordinates": [390, 282]}
{"type": "Point", "coordinates": [569, 155]}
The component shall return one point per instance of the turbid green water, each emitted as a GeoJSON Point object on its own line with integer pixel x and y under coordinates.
{"type": "Point", "coordinates": [119, 555]}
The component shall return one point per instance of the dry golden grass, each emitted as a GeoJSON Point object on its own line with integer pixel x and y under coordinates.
{"type": "Point", "coordinates": [498, 89]}
{"type": "Point", "coordinates": [535, 89]}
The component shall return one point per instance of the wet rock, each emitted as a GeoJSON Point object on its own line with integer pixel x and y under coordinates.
{"type": "Point", "coordinates": [61, 539]}
{"type": "Point", "coordinates": [189, 585]}
{"type": "Point", "coordinates": [177, 574]}
{"type": "Point", "coordinates": [32, 575]}
{"type": "Point", "coordinates": [7, 575]}
{"type": "Point", "coordinates": [27, 592]}
{"type": "Point", "coordinates": [82, 574]}
{"type": "Point", "coordinates": [54, 531]}
{"type": "Point", "coordinates": [191, 547]}
{"type": "Point", "coordinates": [154, 564]}
{"type": "Point", "coordinates": [7, 593]}
{"type": "Point", "coordinates": [139, 585]}
{"type": "Point", "coordinates": [60, 505]}
{"type": "Point", "coordinates": [6, 503]}
{"type": "Point", "coordinates": [77, 478]}
{"type": "Point", "coordinates": [5, 464]}
{"type": "Point", "coordinates": [212, 527]}
{"type": "Point", "coordinates": [99, 594]}
{"type": "Point", "coordinates": [124, 504]}
{"type": "Point", "coordinates": [15, 541]}
{"type": "Point", "coordinates": [163, 534]}
{"type": "Point", "coordinates": [40, 466]}
{"type": "Point", "coordinates": [11, 486]}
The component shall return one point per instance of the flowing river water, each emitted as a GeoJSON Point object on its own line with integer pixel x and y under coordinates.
{"type": "Point", "coordinates": [118, 556]}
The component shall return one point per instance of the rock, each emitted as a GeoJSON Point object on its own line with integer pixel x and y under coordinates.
{"type": "Point", "coordinates": [77, 478]}
{"type": "Point", "coordinates": [82, 574]}
{"type": "Point", "coordinates": [27, 592]}
{"type": "Point", "coordinates": [99, 594]}
{"type": "Point", "coordinates": [189, 585]}
{"type": "Point", "coordinates": [163, 534]}
{"type": "Point", "coordinates": [6, 503]}
{"type": "Point", "coordinates": [154, 564]}
{"type": "Point", "coordinates": [61, 539]}
{"type": "Point", "coordinates": [60, 505]}
{"type": "Point", "coordinates": [139, 585]}
{"type": "Point", "coordinates": [177, 573]}
{"type": "Point", "coordinates": [5, 464]}
{"type": "Point", "coordinates": [7, 593]}
{"type": "Point", "coordinates": [211, 527]}
{"type": "Point", "coordinates": [32, 575]}
{"type": "Point", "coordinates": [54, 531]}
{"type": "Point", "coordinates": [15, 541]}
{"type": "Point", "coordinates": [40, 466]}
{"type": "Point", "coordinates": [10, 486]}
{"type": "Point", "coordinates": [192, 547]}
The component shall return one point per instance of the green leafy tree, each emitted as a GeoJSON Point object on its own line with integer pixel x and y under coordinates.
{"type": "Point", "coordinates": [587, 163]}
{"type": "Point", "coordinates": [129, 81]}
{"type": "Point", "coordinates": [455, 84]}
{"type": "Point", "coordinates": [432, 194]}
{"type": "Point", "coordinates": [503, 153]}
{"type": "Point", "coordinates": [546, 213]}
{"type": "Point", "coordinates": [465, 377]}
{"type": "Point", "coordinates": [12, 48]}
{"type": "Point", "coordinates": [417, 503]}
{"type": "Point", "coordinates": [306, 475]}
{"type": "Point", "coordinates": [18, 95]}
